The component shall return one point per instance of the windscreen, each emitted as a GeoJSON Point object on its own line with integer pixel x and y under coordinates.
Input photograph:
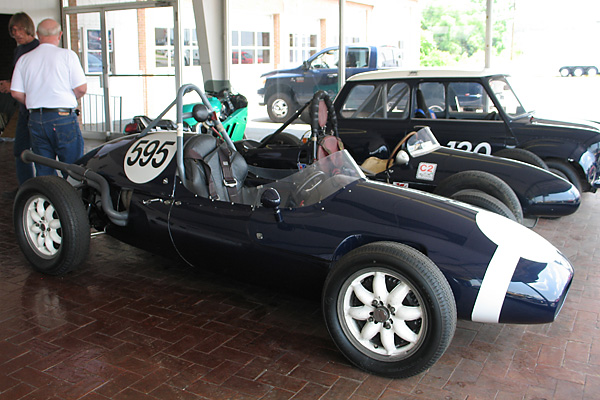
{"type": "Point", "coordinates": [421, 143]}
{"type": "Point", "coordinates": [316, 182]}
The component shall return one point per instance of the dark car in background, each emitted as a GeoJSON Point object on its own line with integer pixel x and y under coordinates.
{"type": "Point", "coordinates": [285, 90]}
{"type": "Point", "coordinates": [473, 111]}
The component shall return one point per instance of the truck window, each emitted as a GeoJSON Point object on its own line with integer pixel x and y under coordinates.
{"type": "Point", "coordinates": [387, 57]}
{"type": "Point", "coordinates": [357, 58]}
{"type": "Point", "coordinates": [328, 59]}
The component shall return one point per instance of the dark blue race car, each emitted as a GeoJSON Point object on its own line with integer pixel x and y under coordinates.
{"type": "Point", "coordinates": [397, 266]}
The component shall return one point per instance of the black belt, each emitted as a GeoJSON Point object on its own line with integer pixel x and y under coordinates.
{"type": "Point", "coordinates": [43, 110]}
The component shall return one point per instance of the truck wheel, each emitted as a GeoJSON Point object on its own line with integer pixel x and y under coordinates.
{"type": "Point", "coordinates": [578, 71]}
{"type": "Point", "coordinates": [523, 155]}
{"type": "Point", "coordinates": [389, 309]}
{"type": "Point", "coordinates": [51, 225]}
{"type": "Point", "coordinates": [280, 107]}
{"type": "Point", "coordinates": [564, 72]}
{"type": "Point", "coordinates": [485, 182]}
{"type": "Point", "coordinates": [566, 171]}
{"type": "Point", "coordinates": [593, 71]}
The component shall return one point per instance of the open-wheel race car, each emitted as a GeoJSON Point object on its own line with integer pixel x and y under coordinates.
{"type": "Point", "coordinates": [397, 266]}
{"type": "Point", "coordinates": [514, 189]}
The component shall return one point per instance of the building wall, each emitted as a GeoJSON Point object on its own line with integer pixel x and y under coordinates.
{"type": "Point", "coordinates": [279, 30]}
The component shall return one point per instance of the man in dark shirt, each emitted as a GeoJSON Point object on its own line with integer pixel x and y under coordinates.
{"type": "Point", "coordinates": [22, 29]}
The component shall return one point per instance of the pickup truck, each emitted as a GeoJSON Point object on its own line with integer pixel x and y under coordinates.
{"type": "Point", "coordinates": [285, 90]}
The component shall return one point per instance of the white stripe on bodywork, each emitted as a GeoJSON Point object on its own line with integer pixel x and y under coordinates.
{"type": "Point", "coordinates": [494, 286]}
{"type": "Point", "coordinates": [514, 242]}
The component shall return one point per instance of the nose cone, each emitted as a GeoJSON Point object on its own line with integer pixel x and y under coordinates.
{"type": "Point", "coordinates": [525, 269]}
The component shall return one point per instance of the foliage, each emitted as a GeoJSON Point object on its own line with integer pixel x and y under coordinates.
{"type": "Point", "coordinates": [452, 35]}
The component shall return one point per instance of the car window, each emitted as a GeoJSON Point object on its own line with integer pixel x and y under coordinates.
{"type": "Point", "coordinates": [434, 97]}
{"type": "Point", "coordinates": [506, 97]}
{"type": "Point", "coordinates": [386, 100]}
{"type": "Point", "coordinates": [357, 58]}
{"type": "Point", "coordinates": [329, 59]}
{"type": "Point", "coordinates": [469, 100]}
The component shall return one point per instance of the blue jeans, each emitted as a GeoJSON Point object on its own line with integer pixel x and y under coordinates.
{"type": "Point", "coordinates": [22, 142]}
{"type": "Point", "coordinates": [54, 135]}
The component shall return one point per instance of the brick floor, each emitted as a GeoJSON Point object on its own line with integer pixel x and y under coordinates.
{"type": "Point", "coordinates": [130, 325]}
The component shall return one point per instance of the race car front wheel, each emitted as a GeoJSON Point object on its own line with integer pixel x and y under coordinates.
{"type": "Point", "coordinates": [483, 182]}
{"type": "Point", "coordinates": [51, 225]}
{"type": "Point", "coordinates": [389, 309]}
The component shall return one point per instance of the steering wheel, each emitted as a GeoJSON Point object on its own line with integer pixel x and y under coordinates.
{"type": "Point", "coordinates": [390, 160]}
{"type": "Point", "coordinates": [313, 180]}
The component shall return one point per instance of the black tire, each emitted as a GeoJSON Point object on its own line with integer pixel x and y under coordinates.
{"type": "Point", "coordinates": [427, 317]}
{"type": "Point", "coordinates": [485, 182]}
{"type": "Point", "coordinates": [281, 107]}
{"type": "Point", "coordinates": [282, 138]}
{"type": "Point", "coordinates": [57, 241]}
{"type": "Point", "coordinates": [564, 72]}
{"type": "Point", "coordinates": [565, 170]}
{"type": "Point", "coordinates": [483, 200]}
{"type": "Point", "coordinates": [523, 155]}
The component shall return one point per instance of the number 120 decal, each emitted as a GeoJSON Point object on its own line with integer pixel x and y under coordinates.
{"type": "Point", "coordinates": [149, 156]}
{"type": "Point", "coordinates": [483, 147]}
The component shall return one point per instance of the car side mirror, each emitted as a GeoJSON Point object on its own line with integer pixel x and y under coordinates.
{"type": "Point", "coordinates": [305, 65]}
{"type": "Point", "coordinates": [402, 157]}
{"type": "Point", "coordinates": [200, 112]}
{"type": "Point", "coordinates": [270, 198]}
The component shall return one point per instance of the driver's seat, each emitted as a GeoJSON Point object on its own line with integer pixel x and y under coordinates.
{"type": "Point", "coordinates": [422, 111]}
{"type": "Point", "coordinates": [213, 170]}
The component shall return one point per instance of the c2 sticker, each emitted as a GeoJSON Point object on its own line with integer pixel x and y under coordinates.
{"type": "Point", "coordinates": [426, 171]}
{"type": "Point", "coordinates": [149, 156]}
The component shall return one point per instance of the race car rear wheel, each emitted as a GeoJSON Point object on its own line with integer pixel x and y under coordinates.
{"type": "Point", "coordinates": [483, 200]}
{"type": "Point", "coordinates": [389, 309]}
{"type": "Point", "coordinates": [51, 225]}
{"type": "Point", "coordinates": [523, 155]}
{"type": "Point", "coordinates": [281, 138]}
{"type": "Point", "coordinates": [566, 171]}
{"type": "Point", "coordinates": [485, 182]}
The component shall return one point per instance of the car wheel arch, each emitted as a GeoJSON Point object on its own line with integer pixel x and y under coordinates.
{"type": "Point", "coordinates": [278, 88]}
{"type": "Point", "coordinates": [355, 241]}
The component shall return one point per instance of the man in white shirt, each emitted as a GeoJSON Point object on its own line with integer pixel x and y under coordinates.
{"type": "Point", "coordinates": [49, 80]}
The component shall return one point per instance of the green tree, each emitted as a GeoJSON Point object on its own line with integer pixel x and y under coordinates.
{"type": "Point", "coordinates": [457, 35]}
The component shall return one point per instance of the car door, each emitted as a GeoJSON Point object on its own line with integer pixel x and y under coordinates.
{"type": "Point", "coordinates": [250, 242]}
{"type": "Point", "coordinates": [199, 226]}
{"type": "Point", "coordinates": [373, 117]}
{"type": "Point", "coordinates": [461, 114]}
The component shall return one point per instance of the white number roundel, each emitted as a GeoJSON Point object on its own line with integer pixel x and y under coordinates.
{"type": "Point", "coordinates": [149, 156]}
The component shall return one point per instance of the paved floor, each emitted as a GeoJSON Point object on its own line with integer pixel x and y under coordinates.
{"type": "Point", "coordinates": [130, 325]}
